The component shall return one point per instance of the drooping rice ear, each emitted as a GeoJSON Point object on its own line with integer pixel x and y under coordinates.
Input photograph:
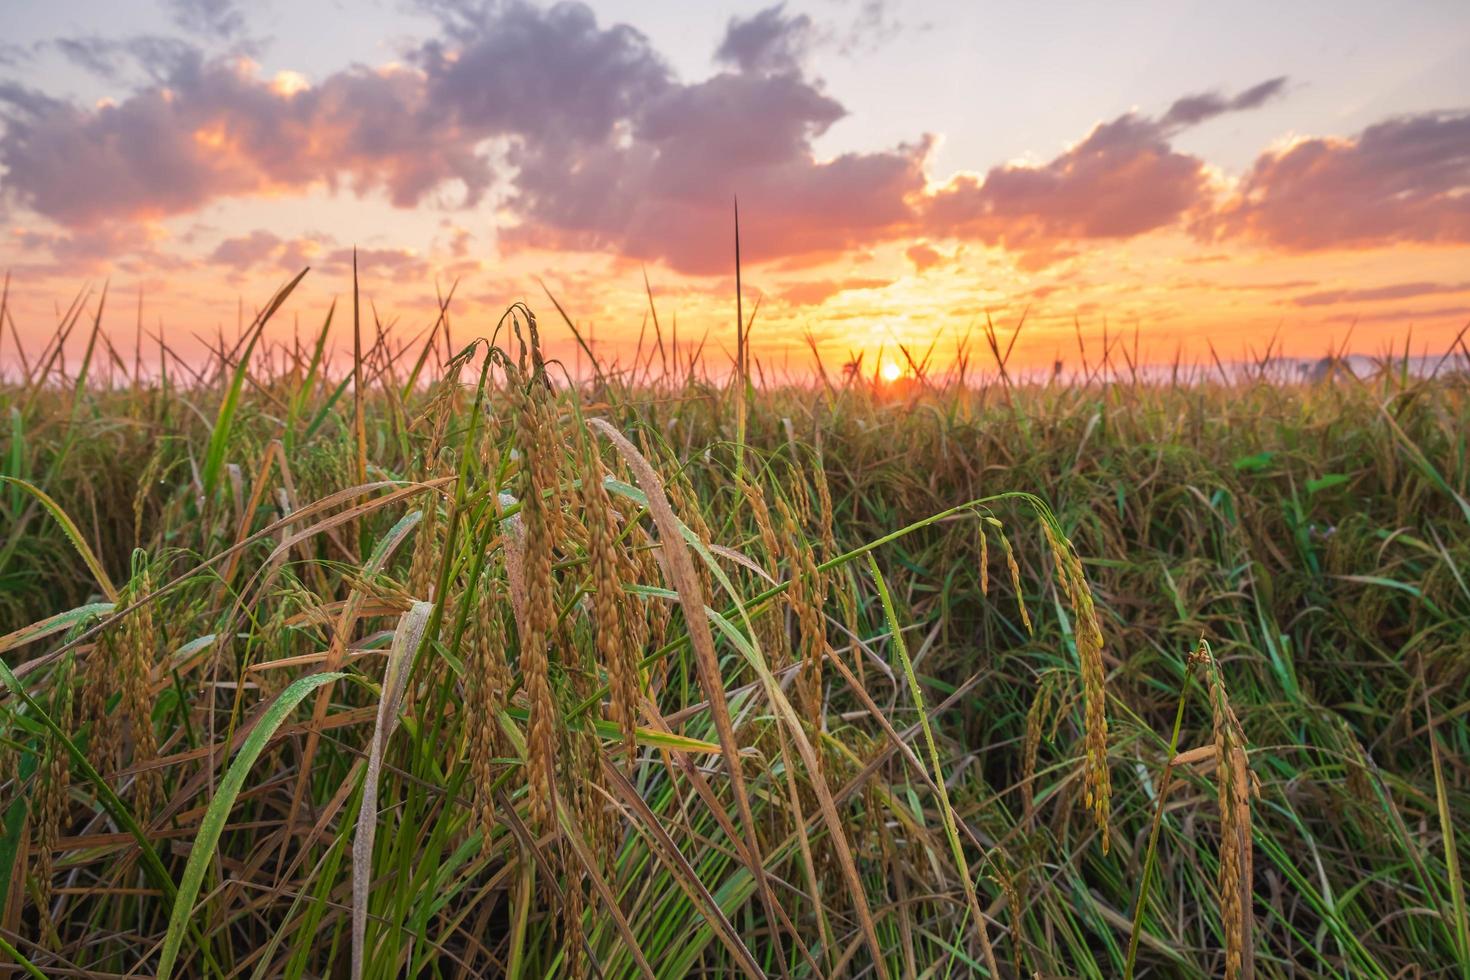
{"type": "Point", "coordinates": [1087, 634]}
{"type": "Point", "coordinates": [1234, 782]}
{"type": "Point", "coordinates": [540, 610]}
{"type": "Point", "coordinates": [487, 692]}
{"type": "Point", "coordinates": [513, 531]}
{"type": "Point", "coordinates": [49, 806]}
{"type": "Point", "coordinates": [616, 639]}
{"type": "Point", "coordinates": [140, 641]}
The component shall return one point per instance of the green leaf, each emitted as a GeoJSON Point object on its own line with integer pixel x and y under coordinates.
{"type": "Point", "coordinates": [1327, 481]}
{"type": "Point", "coordinates": [1253, 464]}
{"type": "Point", "coordinates": [73, 533]}
{"type": "Point", "coordinates": [213, 824]}
{"type": "Point", "coordinates": [219, 437]}
{"type": "Point", "coordinates": [105, 795]}
{"type": "Point", "coordinates": [59, 623]}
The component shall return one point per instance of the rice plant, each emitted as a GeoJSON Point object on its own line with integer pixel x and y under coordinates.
{"type": "Point", "coordinates": [461, 666]}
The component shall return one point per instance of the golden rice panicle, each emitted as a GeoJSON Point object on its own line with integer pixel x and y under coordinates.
{"type": "Point", "coordinates": [769, 632]}
{"type": "Point", "coordinates": [755, 499]}
{"type": "Point", "coordinates": [486, 691]}
{"type": "Point", "coordinates": [540, 612]}
{"type": "Point", "coordinates": [685, 501]}
{"type": "Point", "coordinates": [423, 573]}
{"type": "Point", "coordinates": [825, 516]}
{"type": "Point", "coordinates": [582, 759]}
{"type": "Point", "coordinates": [984, 560]}
{"type": "Point", "coordinates": [1234, 781]}
{"type": "Point", "coordinates": [806, 599]}
{"type": "Point", "coordinates": [139, 651]}
{"type": "Point", "coordinates": [1035, 722]}
{"type": "Point", "coordinates": [634, 563]}
{"type": "Point", "coordinates": [49, 805]}
{"type": "Point", "coordinates": [615, 638]}
{"type": "Point", "coordinates": [434, 420]}
{"type": "Point", "coordinates": [424, 567]}
{"type": "Point", "coordinates": [573, 908]}
{"type": "Point", "coordinates": [547, 461]}
{"type": "Point", "coordinates": [1015, 570]}
{"type": "Point", "coordinates": [1087, 634]}
{"type": "Point", "coordinates": [101, 677]}
{"type": "Point", "coordinates": [1009, 880]}
{"type": "Point", "coordinates": [657, 612]}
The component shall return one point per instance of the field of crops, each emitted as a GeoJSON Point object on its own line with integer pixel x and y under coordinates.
{"type": "Point", "coordinates": [416, 665]}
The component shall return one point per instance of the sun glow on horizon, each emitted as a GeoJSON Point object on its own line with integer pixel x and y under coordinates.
{"type": "Point", "coordinates": [891, 371]}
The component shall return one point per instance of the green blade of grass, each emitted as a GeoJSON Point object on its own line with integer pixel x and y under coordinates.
{"type": "Point", "coordinates": [946, 811]}
{"type": "Point", "coordinates": [73, 534]}
{"type": "Point", "coordinates": [212, 825]}
{"type": "Point", "coordinates": [219, 436]}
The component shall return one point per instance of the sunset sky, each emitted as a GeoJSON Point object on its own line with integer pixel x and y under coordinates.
{"type": "Point", "coordinates": [1192, 171]}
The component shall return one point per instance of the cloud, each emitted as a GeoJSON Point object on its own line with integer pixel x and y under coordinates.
{"type": "Point", "coordinates": [659, 184]}
{"type": "Point", "coordinates": [768, 41]}
{"type": "Point", "coordinates": [1402, 180]}
{"type": "Point", "coordinates": [216, 129]}
{"type": "Point", "coordinates": [540, 75]}
{"type": "Point", "coordinates": [245, 251]}
{"type": "Point", "coordinates": [582, 129]}
{"type": "Point", "coordinates": [924, 256]}
{"type": "Point", "coordinates": [1195, 109]}
{"type": "Point", "coordinates": [1460, 313]}
{"type": "Point", "coordinates": [1123, 179]}
{"type": "Point", "coordinates": [581, 136]}
{"type": "Point", "coordinates": [1403, 290]}
{"type": "Point", "coordinates": [213, 19]}
{"type": "Point", "coordinates": [875, 23]}
{"type": "Point", "coordinates": [1257, 287]}
{"type": "Point", "coordinates": [129, 246]}
{"type": "Point", "coordinates": [399, 264]}
{"type": "Point", "coordinates": [262, 249]}
{"type": "Point", "coordinates": [265, 249]}
{"type": "Point", "coordinates": [115, 59]}
{"type": "Point", "coordinates": [90, 248]}
{"type": "Point", "coordinates": [819, 291]}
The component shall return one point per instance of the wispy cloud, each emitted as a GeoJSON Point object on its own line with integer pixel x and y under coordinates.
{"type": "Point", "coordinates": [1403, 290]}
{"type": "Point", "coordinates": [212, 19]}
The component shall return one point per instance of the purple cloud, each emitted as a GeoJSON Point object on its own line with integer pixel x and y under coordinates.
{"type": "Point", "coordinates": [588, 140]}
{"type": "Point", "coordinates": [1403, 180]}
{"type": "Point", "coordinates": [217, 130]}
{"type": "Point", "coordinates": [605, 147]}
{"type": "Point", "coordinates": [211, 19]}
{"type": "Point", "coordinates": [554, 74]}
{"type": "Point", "coordinates": [245, 251]}
{"type": "Point", "coordinates": [768, 41]}
{"type": "Point", "coordinates": [1192, 110]}
{"type": "Point", "coordinates": [1123, 180]}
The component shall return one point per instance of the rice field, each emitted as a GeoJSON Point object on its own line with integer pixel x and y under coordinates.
{"type": "Point", "coordinates": [444, 663]}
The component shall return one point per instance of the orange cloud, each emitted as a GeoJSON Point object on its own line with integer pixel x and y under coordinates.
{"type": "Point", "coordinates": [820, 290]}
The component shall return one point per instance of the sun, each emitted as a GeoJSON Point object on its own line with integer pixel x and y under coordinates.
{"type": "Point", "coordinates": [890, 371]}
